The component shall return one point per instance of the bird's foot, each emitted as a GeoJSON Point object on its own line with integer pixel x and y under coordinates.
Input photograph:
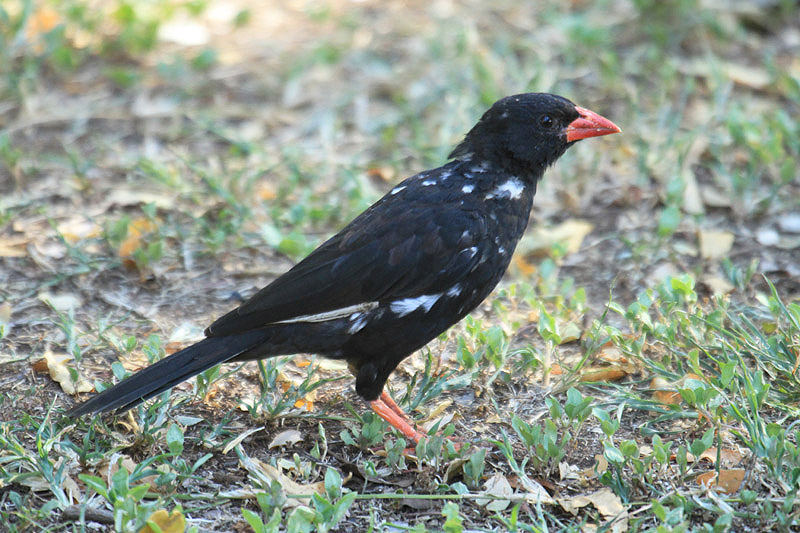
{"type": "Point", "coordinates": [388, 409]}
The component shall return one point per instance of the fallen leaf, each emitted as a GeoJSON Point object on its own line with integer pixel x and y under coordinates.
{"type": "Point", "coordinates": [692, 198]}
{"type": "Point", "coordinates": [714, 197]}
{"type": "Point", "coordinates": [729, 481]}
{"type": "Point", "coordinates": [666, 392]}
{"type": "Point", "coordinates": [569, 234]}
{"type": "Point", "coordinates": [165, 522]}
{"type": "Point", "coordinates": [138, 229]}
{"type": "Point", "coordinates": [747, 75]}
{"type": "Point", "coordinates": [717, 285]}
{"type": "Point", "coordinates": [63, 302]}
{"type": "Point", "coordinates": [232, 444]}
{"type": "Point", "coordinates": [132, 197]}
{"type": "Point", "coordinates": [498, 486]}
{"type": "Point", "coordinates": [286, 438]}
{"type": "Point", "coordinates": [436, 411]}
{"type": "Point", "coordinates": [42, 21]}
{"type": "Point", "coordinates": [58, 366]}
{"type": "Point", "coordinates": [14, 247]}
{"type": "Point", "coordinates": [728, 457]}
{"type": "Point", "coordinates": [264, 474]}
{"type": "Point", "coordinates": [594, 374]}
{"type": "Point", "coordinates": [567, 471]}
{"type": "Point", "coordinates": [605, 501]}
{"type": "Point", "coordinates": [79, 228]}
{"type": "Point", "coordinates": [535, 492]}
{"type": "Point", "coordinates": [384, 174]}
{"type": "Point", "coordinates": [715, 244]}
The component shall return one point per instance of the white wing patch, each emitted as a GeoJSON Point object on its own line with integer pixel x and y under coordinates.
{"type": "Point", "coordinates": [333, 314]}
{"type": "Point", "coordinates": [454, 291]}
{"type": "Point", "coordinates": [409, 305]}
{"type": "Point", "coordinates": [512, 188]}
{"type": "Point", "coordinates": [467, 188]}
{"type": "Point", "coordinates": [359, 320]}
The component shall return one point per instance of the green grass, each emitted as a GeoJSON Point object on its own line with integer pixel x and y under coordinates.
{"type": "Point", "coordinates": [263, 150]}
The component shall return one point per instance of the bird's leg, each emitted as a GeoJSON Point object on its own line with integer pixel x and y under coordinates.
{"type": "Point", "coordinates": [391, 412]}
{"type": "Point", "coordinates": [391, 404]}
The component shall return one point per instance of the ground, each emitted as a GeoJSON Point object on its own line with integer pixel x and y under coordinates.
{"type": "Point", "coordinates": [161, 161]}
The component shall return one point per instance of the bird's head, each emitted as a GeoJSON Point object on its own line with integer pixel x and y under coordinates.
{"type": "Point", "coordinates": [525, 133]}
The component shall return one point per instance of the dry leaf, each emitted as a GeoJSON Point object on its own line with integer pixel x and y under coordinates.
{"type": "Point", "coordinates": [286, 438]}
{"type": "Point", "coordinates": [266, 191]}
{"type": "Point", "coordinates": [384, 174]}
{"type": "Point", "coordinates": [692, 199]}
{"type": "Point", "coordinates": [436, 411]}
{"type": "Point", "coordinates": [265, 474]}
{"type": "Point", "coordinates": [535, 492]}
{"type": "Point", "coordinates": [714, 197]}
{"type": "Point", "coordinates": [79, 228]}
{"type": "Point", "coordinates": [58, 366]}
{"type": "Point", "coordinates": [232, 444]}
{"type": "Point", "coordinates": [497, 485]}
{"type": "Point", "coordinates": [63, 302]}
{"type": "Point", "coordinates": [593, 374]}
{"type": "Point", "coordinates": [714, 244]}
{"type": "Point", "coordinates": [173, 522]}
{"type": "Point", "coordinates": [605, 501]}
{"type": "Point", "coordinates": [42, 21]}
{"type": "Point", "coordinates": [667, 392]}
{"type": "Point", "coordinates": [130, 197]}
{"type": "Point", "coordinates": [728, 457]}
{"type": "Point", "coordinates": [729, 481]}
{"type": "Point", "coordinates": [749, 76]}
{"type": "Point", "coordinates": [137, 230]}
{"type": "Point", "coordinates": [618, 366]}
{"type": "Point", "coordinates": [14, 247]}
{"type": "Point", "coordinates": [569, 234]}
{"type": "Point", "coordinates": [717, 285]}
{"type": "Point", "coordinates": [567, 471]}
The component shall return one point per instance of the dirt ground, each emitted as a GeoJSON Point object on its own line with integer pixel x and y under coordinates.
{"type": "Point", "coordinates": [326, 106]}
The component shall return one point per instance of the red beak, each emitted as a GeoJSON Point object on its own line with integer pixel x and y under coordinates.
{"type": "Point", "coordinates": [589, 124]}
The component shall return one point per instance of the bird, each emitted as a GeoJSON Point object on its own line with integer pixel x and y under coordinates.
{"type": "Point", "coordinates": [402, 272]}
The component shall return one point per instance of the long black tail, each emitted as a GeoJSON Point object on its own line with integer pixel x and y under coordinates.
{"type": "Point", "coordinates": [170, 371]}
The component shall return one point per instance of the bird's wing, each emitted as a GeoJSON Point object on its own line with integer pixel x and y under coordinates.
{"type": "Point", "coordinates": [394, 250]}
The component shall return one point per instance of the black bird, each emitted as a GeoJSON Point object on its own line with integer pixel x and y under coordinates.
{"type": "Point", "coordinates": [402, 272]}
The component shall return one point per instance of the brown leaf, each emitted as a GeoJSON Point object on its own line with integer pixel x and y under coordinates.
{"type": "Point", "coordinates": [728, 457]}
{"type": "Point", "coordinates": [729, 481]}
{"type": "Point", "coordinates": [138, 230]}
{"type": "Point", "coordinates": [593, 374]}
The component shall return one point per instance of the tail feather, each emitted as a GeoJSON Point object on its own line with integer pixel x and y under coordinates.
{"type": "Point", "coordinates": [170, 371]}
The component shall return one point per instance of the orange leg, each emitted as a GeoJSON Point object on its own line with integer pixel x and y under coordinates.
{"type": "Point", "coordinates": [391, 404]}
{"type": "Point", "coordinates": [391, 412]}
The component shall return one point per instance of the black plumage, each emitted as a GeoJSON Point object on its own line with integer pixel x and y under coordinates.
{"type": "Point", "coordinates": [406, 269]}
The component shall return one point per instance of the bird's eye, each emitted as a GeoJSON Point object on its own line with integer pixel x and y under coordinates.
{"type": "Point", "coordinates": [546, 121]}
